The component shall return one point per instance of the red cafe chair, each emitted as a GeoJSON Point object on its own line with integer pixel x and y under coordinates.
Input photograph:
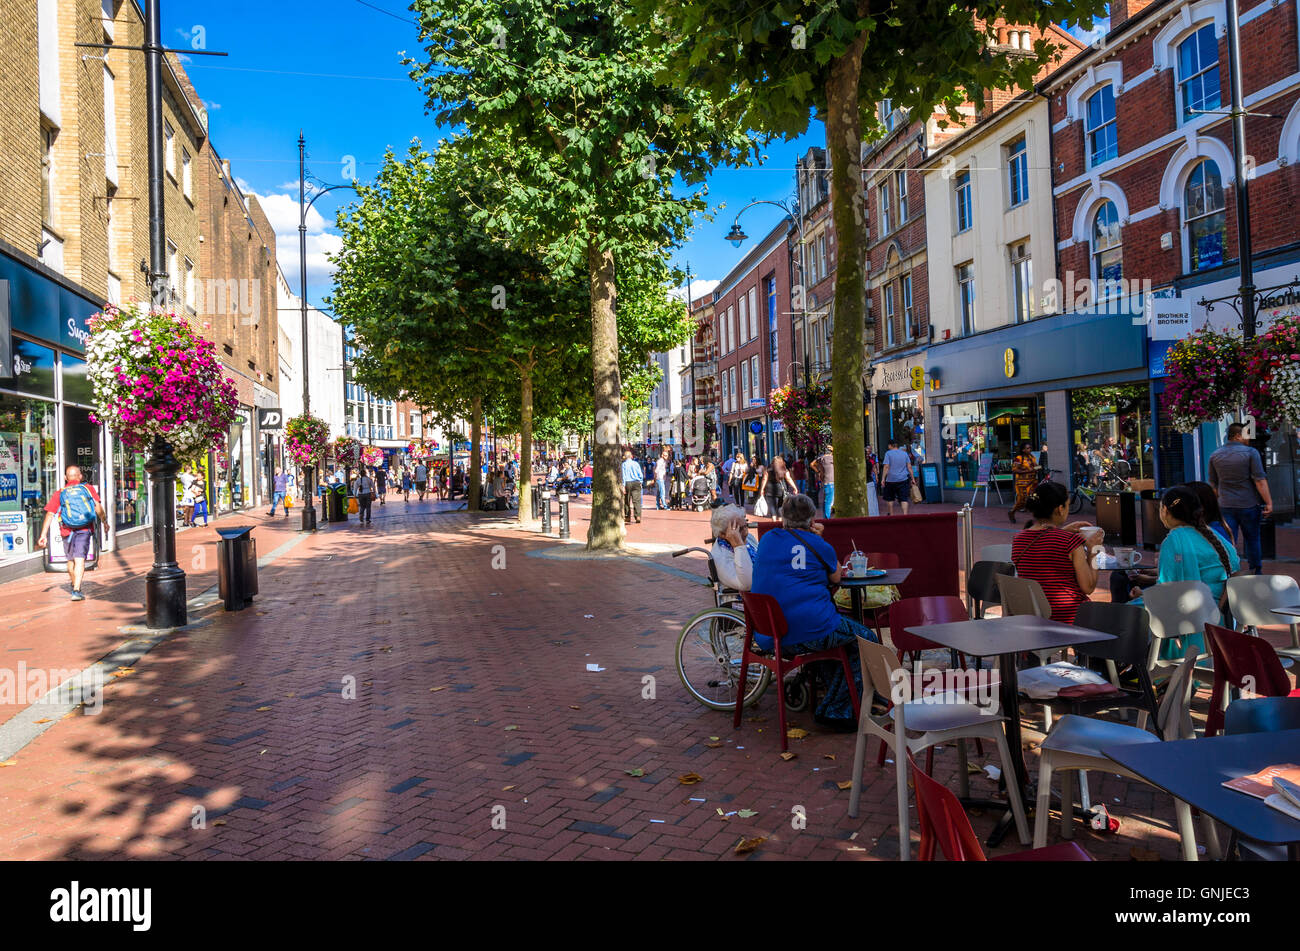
{"type": "Point", "coordinates": [1242, 661]}
{"type": "Point", "coordinates": [763, 614]}
{"type": "Point", "coordinates": [943, 823]}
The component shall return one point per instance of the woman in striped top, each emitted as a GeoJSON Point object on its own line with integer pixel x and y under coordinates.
{"type": "Point", "coordinates": [1054, 554]}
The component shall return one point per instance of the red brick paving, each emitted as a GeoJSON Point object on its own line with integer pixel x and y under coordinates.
{"type": "Point", "coordinates": [406, 770]}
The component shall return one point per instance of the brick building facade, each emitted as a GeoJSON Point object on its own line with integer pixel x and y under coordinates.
{"type": "Point", "coordinates": [74, 233]}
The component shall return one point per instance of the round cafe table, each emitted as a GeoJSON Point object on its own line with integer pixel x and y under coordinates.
{"type": "Point", "coordinates": [891, 576]}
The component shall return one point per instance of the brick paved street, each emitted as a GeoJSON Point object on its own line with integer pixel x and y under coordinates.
{"type": "Point", "coordinates": [474, 706]}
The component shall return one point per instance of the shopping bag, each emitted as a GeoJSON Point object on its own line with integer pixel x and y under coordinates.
{"type": "Point", "coordinates": [288, 501]}
{"type": "Point", "coordinates": [352, 505]}
{"type": "Point", "coordinates": [760, 507]}
{"type": "Point", "coordinates": [917, 495]}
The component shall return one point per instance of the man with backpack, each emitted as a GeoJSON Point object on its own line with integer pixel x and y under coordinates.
{"type": "Point", "coordinates": [77, 505]}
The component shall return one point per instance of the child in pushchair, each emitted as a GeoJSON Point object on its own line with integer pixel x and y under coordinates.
{"type": "Point", "coordinates": [700, 492]}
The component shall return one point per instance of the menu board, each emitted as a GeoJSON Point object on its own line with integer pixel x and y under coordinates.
{"type": "Point", "coordinates": [986, 468]}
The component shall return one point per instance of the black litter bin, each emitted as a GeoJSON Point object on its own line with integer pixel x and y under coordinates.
{"type": "Point", "coordinates": [336, 503]}
{"type": "Point", "coordinates": [1117, 516]}
{"type": "Point", "coordinates": [1153, 530]}
{"type": "Point", "coordinates": [237, 566]}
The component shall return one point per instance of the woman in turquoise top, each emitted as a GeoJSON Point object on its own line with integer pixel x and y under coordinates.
{"type": "Point", "coordinates": [1192, 551]}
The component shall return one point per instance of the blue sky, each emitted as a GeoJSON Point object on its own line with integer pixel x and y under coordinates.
{"type": "Point", "coordinates": [333, 68]}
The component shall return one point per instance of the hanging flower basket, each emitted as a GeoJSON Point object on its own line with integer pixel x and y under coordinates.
{"type": "Point", "coordinates": [1206, 378]}
{"type": "Point", "coordinates": [153, 376]}
{"type": "Point", "coordinates": [806, 416]}
{"type": "Point", "coordinates": [418, 450]}
{"type": "Point", "coordinates": [372, 456]}
{"type": "Point", "coordinates": [1273, 374]}
{"type": "Point", "coordinates": [347, 450]}
{"type": "Point", "coordinates": [306, 438]}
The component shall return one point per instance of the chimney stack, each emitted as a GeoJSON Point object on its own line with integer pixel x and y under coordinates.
{"type": "Point", "coordinates": [1121, 10]}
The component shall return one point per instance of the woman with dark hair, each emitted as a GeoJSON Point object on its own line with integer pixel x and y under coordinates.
{"type": "Point", "coordinates": [1055, 554]}
{"type": "Point", "coordinates": [1210, 503]}
{"type": "Point", "coordinates": [1192, 551]}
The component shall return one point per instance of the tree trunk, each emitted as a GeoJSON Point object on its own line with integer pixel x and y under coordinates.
{"type": "Point", "coordinates": [526, 446]}
{"type": "Point", "coordinates": [606, 528]}
{"type": "Point", "coordinates": [844, 143]}
{"type": "Point", "coordinates": [475, 473]}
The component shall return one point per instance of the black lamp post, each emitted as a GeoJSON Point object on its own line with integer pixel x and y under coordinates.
{"type": "Point", "coordinates": [304, 206]}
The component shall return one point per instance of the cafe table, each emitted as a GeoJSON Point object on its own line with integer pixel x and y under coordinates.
{"type": "Point", "coordinates": [891, 576]}
{"type": "Point", "coordinates": [1292, 614]}
{"type": "Point", "coordinates": [1007, 638]}
{"type": "Point", "coordinates": [1195, 770]}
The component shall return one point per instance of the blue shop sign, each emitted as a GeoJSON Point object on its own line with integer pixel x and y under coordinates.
{"type": "Point", "coordinates": [44, 308]}
{"type": "Point", "coordinates": [1060, 347]}
{"type": "Point", "coordinates": [1157, 350]}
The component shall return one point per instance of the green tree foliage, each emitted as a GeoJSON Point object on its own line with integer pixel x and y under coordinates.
{"type": "Point", "coordinates": [568, 113]}
{"type": "Point", "coordinates": [448, 314]}
{"type": "Point", "coordinates": [789, 60]}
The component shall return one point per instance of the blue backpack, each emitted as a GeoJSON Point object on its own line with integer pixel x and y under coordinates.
{"type": "Point", "coordinates": [76, 507]}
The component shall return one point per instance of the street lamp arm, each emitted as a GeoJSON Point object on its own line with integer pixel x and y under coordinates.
{"type": "Point", "coordinates": [306, 208]}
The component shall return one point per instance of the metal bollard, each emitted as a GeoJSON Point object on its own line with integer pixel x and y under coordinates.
{"type": "Point", "coordinates": [564, 514]}
{"type": "Point", "coordinates": [535, 497]}
{"type": "Point", "coordinates": [546, 511]}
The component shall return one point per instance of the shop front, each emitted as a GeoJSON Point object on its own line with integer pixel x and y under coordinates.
{"type": "Point", "coordinates": [45, 418]}
{"type": "Point", "coordinates": [900, 404]}
{"type": "Point", "coordinates": [1058, 381]}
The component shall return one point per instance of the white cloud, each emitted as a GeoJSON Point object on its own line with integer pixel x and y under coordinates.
{"type": "Point", "coordinates": [1099, 30]}
{"type": "Point", "coordinates": [698, 289]}
{"type": "Point", "coordinates": [282, 212]}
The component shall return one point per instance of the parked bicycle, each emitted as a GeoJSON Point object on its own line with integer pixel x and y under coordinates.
{"type": "Point", "coordinates": [1114, 478]}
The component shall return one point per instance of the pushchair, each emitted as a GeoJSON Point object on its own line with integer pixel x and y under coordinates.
{"type": "Point", "coordinates": [700, 494]}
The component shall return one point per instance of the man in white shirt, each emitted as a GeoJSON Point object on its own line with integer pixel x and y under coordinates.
{"type": "Point", "coordinates": [363, 490]}
{"type": "Point", "coordinates": [421, 479]}
{"type": "Point", "coordinates": [661, 480]}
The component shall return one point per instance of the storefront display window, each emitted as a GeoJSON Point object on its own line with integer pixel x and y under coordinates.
{"type": "Point", "coordinates": [1112, 424]}
{"type": "Point", "coordinates": [76, 385]}
{"type": "Point", "coordinates": [28, 472]}
{"type": "Point", "coordinates": [81, 444]}
{"type": "Point", "coordinates": [964, 430]}
{"type": "Point", "coordinates": [907, 421]}
{"type": "Point", "coordinates": [33, 369]}
{"type": "Point", "coordinates": [130, 487]}
{"type": "Point", "coordinates": [1011, 423]}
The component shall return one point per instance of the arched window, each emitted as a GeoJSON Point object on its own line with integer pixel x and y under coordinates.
{"type": "Point", "coordinates": [1204, 217]}
{"type": "Point", "coordinates": [1198, 72]}
{"type": "Point", "coordinates": [1107, 250]}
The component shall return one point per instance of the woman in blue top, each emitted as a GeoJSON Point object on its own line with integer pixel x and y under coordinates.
{"type": "Point", "coordinates": [796, 567]}
{"type": "Point", "coordinates": [1192, 551]}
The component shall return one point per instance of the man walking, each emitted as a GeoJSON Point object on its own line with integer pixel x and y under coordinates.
{"type": "Point", "coordinates": [421, 479]}
{"type": "Point", "coordinates": [77, 505]}
{"type": "Point", "coordinates": [1237, 475]}
{"type": "Point", "coordinates": [381, 484]}
{"type": "Point", "coordinates": [661, 481]}
{"type": "Point", "coordinates": [896, 477]}
{"type": "Point", "coordinates": [279, 486]}
{"type": "Point", "coordinates": [824, 466]}
{"type": "Point", "coordinates": [363, 488]}
{"type": "Point", "coordinates": [633, 482]}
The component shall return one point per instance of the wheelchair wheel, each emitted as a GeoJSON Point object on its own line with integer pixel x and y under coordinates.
{"type": "Point", "coordinates": [798, 693]}
{"type": "Point", "coordinates": [708, 660]}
